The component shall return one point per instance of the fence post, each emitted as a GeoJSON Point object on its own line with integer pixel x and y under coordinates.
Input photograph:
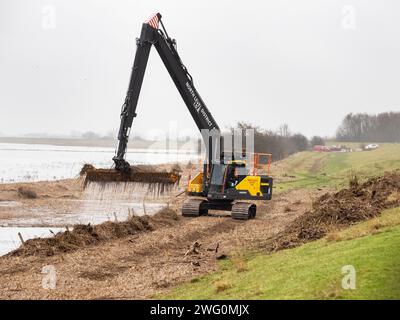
{"type": "Point", "coordinates": [20, 238]}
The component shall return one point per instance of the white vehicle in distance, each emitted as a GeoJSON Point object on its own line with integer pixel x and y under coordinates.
{"type": "Point", "coordinates": [371, 147]}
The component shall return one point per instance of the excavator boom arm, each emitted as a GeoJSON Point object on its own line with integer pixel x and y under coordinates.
{"type": "Point", "coordinates": [166, 48]}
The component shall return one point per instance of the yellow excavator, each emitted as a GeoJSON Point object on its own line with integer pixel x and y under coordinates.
{"type": "Point", "coordinates": [228, 182]}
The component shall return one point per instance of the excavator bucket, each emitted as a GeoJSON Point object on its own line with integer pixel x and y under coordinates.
{"type": "Point", "coordinates": [159, 180]}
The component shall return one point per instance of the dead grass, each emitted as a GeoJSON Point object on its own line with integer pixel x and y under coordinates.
{"type": "Point", "coordinates": [394, 197]}
{"type": "Point", "coordinates": [27, 193]}
{"type": "Point", "coordinates": [333, 236]}
{"type": "Point", "coordinates": [87, 235]}
{"type": "Point", "coordinates": [287, 209]}
{"type": "Point", "coordinates": [240, 264]}
{"type": "Point", "coordinates": [373, 226]}
{"type": "Point", "coordinates": [36, 193]}
{"type": "Point", "coordinates": [335, 211]}
{"type": "Point", "coordinates": [222, 285]}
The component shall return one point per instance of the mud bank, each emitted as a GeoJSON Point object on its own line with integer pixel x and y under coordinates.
{"type": "Point", "coordinates": [86, 235]}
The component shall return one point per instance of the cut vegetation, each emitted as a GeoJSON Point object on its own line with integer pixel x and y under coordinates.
{"type": "Point", "coordinates": [334, 211]}
{"type": "Point", "coordinates": [86, 235]}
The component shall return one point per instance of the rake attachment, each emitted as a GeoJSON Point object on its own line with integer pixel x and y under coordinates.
{"type": "Point", "coordinates": [159, 179]}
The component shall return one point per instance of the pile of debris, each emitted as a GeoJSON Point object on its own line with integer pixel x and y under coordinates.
{"type": "Point", "coordinates": [334, 211]}
{"type": "Point", "coordinates": [86, 235]}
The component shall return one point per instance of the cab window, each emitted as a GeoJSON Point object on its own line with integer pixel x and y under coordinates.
{"type": "Point", "coordinates": [218, 174]}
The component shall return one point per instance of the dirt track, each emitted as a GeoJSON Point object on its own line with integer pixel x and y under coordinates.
{"type": "Point", "coordinates": [148, 263]}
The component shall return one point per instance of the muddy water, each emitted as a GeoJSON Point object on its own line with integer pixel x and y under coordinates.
{"type": "Point", "coordinates": [100, 203]}
{"type": "Point", "coordinates": [92, 213]}
{"type": "Point", "coordinates": [9, 239]}
{"type": "Point", "coordinates": [83, 212]}
{"type": "Point", "coordinates": [118, 200]}
{"type": "Point", "coordinates": [42, 162]}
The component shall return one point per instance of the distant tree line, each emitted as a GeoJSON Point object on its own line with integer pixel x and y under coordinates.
{"type": "Point", "coordinates": [280, 143]}
{"type": "Point", "coordinates": [363, 127]}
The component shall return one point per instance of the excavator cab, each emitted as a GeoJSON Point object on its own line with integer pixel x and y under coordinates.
{"type": "Point", "coordinates": [217, 178]}
{"type": "Point", "coordinates": [225, 176]}
{"type": "Point", "coordinates": [228, 183]}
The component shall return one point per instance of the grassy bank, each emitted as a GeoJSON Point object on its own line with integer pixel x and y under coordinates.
{"type": "Point", "coordinates": [312, 271]}
{"type": "Point", "coordinates": [324, 169]}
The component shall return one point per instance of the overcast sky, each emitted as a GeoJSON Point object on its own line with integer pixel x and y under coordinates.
{"type": "Point", "coordinates": [65, 65]}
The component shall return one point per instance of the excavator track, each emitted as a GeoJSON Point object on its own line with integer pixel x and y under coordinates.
{"type": "Point", "coordinates": [243, 211]}
{"type": "Point", "coordinates": [194, 208]}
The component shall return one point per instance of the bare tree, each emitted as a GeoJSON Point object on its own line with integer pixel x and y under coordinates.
{"type": "Point", "coordinates": [362, 127]}
{"type": "Point", "coordinates": [317, 141]}
{"type": "Point", "coordinates": [281, 143]}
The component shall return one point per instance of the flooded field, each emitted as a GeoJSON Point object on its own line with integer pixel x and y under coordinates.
{"type": "Point", "coordinates": [31, 162]}
{"type": "Point", "coordinates": [82, 211]}
{"type": "Point", "coordinates": [59, 203]}
{"type": "Point", "coordinates": [37, 219]}
{"type": "Point", "coordinates": [60, 209]}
